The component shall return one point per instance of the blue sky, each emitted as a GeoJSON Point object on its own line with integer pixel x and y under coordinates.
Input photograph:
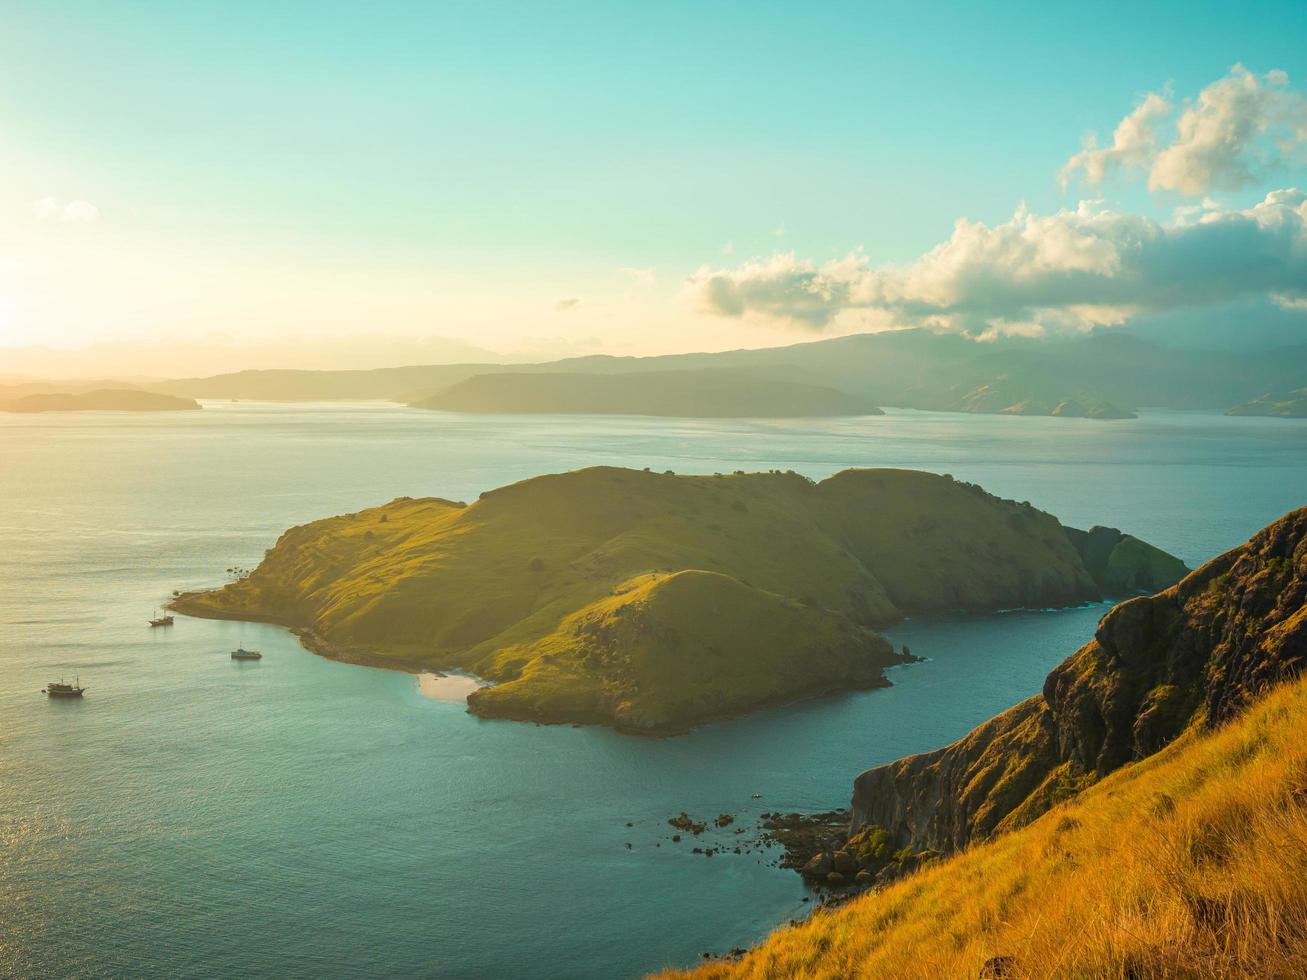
{"type": "Point", "coordinates": [480, 163]}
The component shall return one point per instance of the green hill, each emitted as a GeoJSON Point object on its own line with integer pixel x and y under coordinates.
{"type": "Point", "coordinates": [685, 394]}
{"type": "Point", "coordinates": [1146, 816]}
{"type": "Point", "coordinates": [1286, 405]}
{"type": "Point", "coordinates": [103, 400]}
{"type": "Point", "coordinates": [654, 601]}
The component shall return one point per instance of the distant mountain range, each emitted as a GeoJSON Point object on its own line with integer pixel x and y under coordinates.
{"type": "Point", "coordinates": [1103, 375]}
{"type": "Point", "coordinates": [685, 394]}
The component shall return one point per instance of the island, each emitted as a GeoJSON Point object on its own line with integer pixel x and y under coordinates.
{"type": "Point", "coordinates": [102, 400]}
{"type": "Point", "coordinates": [654, 601]}
{"type": "Point", "coordinates": [679, 394]}
{"type": "Point", "coordinates": [1285, 405]}
{"type": "Point", "coordinates": [1142, 814]}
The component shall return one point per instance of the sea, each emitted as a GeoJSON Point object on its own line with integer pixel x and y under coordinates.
{"type": "Point", "coordinates": [193, 816]}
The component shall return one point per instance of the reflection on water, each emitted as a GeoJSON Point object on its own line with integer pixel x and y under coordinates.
{"type": "Point", "coordinates": [449, 687]}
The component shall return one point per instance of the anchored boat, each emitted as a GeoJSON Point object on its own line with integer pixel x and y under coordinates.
{"type": "Point", "coordinates": [164, 620]}
{"type": "Point", "coordinates": [58, 689]}
{"type": "Point", "coordinates": [240, 653]}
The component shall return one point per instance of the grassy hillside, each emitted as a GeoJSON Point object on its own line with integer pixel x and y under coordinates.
{"type": "Point", "coordinates": [652, 601]}
{"type": "Point", "coordinates": [1158, 664]}
{"type": "Point", "coordinates": [1286, 405]}
{"type": "Point", "coordinates": [103, 400]}
{"type": "Point", "coordinates": [1192, 863]}
{"type": "Point", "coordinates": [1145, 816]}
{"type": "Point", "coordinates": [686, 394]}
{"type": "Point", "coordinates": [1006, 395]}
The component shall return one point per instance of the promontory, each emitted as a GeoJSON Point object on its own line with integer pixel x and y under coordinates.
{"type": "Point", "coordinates": [652, 601]}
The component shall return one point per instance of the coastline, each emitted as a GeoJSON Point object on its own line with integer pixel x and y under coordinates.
{"type": "Point", "coordinates": [189, 604]}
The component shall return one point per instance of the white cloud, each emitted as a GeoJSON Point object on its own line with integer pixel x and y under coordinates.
{"type": "Point", "coordinates": [72, 212]}
{"type": "Point", "coordinates": [1134, 144]}
{"type": "Point", "coordinates": [1072, 269]}
{"type": "Point", "coordinates": [1239, 128]}
{"type": "Point", "coordinates": [567, 303]}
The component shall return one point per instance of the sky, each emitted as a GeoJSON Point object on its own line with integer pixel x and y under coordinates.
{"type": "Point", "coordinates": [356, 184]}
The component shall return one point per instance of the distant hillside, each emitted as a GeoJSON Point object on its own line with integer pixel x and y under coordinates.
{"type": "Point", "coordinates": [1105, 375]}
{"type": "Point", "coordinates": [688, 394]}
{"type": "Point", "coordinates": [1287, 405]}
{"type": "Point", "coordinates": [653, 601]}
{"type": "Point", "coordinates": [1146, 816]}
{"type": "Point", "coordinates": [104, 400]}
{"type": "Point", "coordinates": [379, 384]}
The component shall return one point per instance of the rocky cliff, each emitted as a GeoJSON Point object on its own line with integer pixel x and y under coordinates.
{"type": "Point", "coordinates": [1188, 657]}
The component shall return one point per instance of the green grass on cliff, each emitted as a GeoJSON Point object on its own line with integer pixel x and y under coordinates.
{"type": "Point", "coordinates": [1192, 863]}
{"type": "Point", "coordinates": [540, 585]}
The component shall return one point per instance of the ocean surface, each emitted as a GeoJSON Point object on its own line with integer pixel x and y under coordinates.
{"type": "Point", "coordinates": [198, 817]}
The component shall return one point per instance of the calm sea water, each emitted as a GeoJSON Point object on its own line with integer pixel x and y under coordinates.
{"type": "Point", "coordinates": [295, 817]}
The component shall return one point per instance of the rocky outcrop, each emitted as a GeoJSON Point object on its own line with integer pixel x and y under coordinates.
{"type": "Point", "coordinates": [1193, 655]}
{"type": "Point", "coordinates": [1121, 564]}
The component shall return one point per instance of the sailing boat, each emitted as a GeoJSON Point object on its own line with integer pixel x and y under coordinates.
{"type": "Point", "coordinates": [58, 689]}
{"type": "Point", "coordinates": [164, 620]}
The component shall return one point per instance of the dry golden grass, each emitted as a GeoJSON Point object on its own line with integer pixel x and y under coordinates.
{"type": "Point", "coordinates": [1192, 863]}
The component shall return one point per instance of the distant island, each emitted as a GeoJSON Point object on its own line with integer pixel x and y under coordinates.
{"type": "Point", "coordinates": [682, 394]}
{"type": "Point", "coordinates": [653, 602]}
{"type": "Point", "coordinates": [1143, 814]}
{"type": "Point", "coordinates": [1106, 375]}
{"type": "Point", "coordinates": [1287, 405]}
{"type": "Point", "coordinates": [103, 400]}
{"type": "Point", "coordinates": [1009, 396]}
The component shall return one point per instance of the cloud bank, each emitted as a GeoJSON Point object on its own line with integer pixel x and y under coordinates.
{"type": "Point", "coordinates": [1073, 269]}
{"type": "Point", "coordinates": [1238, 130]}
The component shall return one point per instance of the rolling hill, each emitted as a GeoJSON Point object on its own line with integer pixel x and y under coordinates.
{"type": "Point", "coordinates": [1285, 405]}
{"type": "Point", "coordinates": [654, 601]}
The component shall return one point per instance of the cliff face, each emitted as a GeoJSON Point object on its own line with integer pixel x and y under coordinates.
{"type": "Point", "coordinates": [1192, 655]}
